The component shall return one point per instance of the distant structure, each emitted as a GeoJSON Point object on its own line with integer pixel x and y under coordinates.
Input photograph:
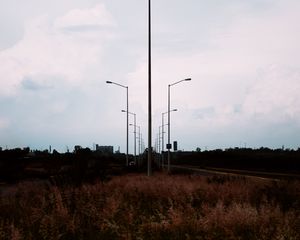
{"type": "Point", "coordinates": [76, 148]}
{"type": "Point", "coordinates": [175, 146]}
{"type": "Point", "coordinates": [118, 151]}
{"type": "Point", "coordinates": [0, 149]}
{"type": "Point", "coordinates": [105, 149]}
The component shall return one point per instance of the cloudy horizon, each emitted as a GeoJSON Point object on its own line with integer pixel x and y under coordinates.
{"type": "Point", "coordinates": [242, 56]}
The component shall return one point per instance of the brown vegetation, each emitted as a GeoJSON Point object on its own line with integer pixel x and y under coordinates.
{"type": "Point", "coordinates": [159, 207]}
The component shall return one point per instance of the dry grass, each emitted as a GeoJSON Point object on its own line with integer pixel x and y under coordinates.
{"type": "Point", "coordinates": [160, 207]}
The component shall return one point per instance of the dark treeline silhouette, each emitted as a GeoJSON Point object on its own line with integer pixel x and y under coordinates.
{"type": "Point", "coordinates": [60, 168]}
{"type": "Point", "coordinates": [264, 159]}
{"type": "Point", "coordinates": [85, 165]}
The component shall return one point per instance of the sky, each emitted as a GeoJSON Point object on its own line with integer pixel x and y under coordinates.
{"type": "Point", "coordinates": [242, 56]}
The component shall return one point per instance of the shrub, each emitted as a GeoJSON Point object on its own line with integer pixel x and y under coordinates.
{"type": "Point", "coordinates": [160, 207]}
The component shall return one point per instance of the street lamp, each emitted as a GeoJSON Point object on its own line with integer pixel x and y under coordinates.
{"type": "Point", "coordinates": [163, 134]}
{"type": "Point", "coordinates": [149, 167]}
{"type": "Point", "coordinates": [163, 125]}
{"type": "Point", "coordinates": [142, 144]}
{"type": "Point", "coordinates": [159, 137]}
{"type": "Point", "coordinates": [120, 85]}
{"type": "Point", "coordinates": [139, 159]}
{"type": "Point", "coordinates": [159, 146]}
{"type": "Point", "coordinates": [139, 137]}
{"type": "Point", "coordinates": [134, 132]}
{"type": "Point", "coordinates": [169, 124]}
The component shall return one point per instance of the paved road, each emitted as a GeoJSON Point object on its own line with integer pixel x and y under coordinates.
{"type": "Point", "coordinates": [265, 176]}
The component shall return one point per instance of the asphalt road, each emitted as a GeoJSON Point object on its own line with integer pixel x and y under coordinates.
{"type": "Point", "coordinates": [262, 176]}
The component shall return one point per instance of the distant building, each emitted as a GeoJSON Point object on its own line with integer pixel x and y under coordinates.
{"type": "Point", "coordinates": [118, 151]}
{"type": "Point", "coordinates": [105, 149]}
{"type": "Point", "coordinates": [0, 149]}
{"type": "Point", "coordinates": [77, 148]}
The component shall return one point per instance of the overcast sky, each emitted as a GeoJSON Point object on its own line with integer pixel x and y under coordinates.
{"type": "Point", "coordinates": [242, 56]}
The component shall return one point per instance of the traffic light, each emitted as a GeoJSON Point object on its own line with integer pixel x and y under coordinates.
{"type": "Point", "coordinates": [175, 145]}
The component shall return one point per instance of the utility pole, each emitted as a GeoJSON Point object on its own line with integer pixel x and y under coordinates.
{"type": "Point", "coordinates": [169, 121]}
{"type": "Point", "coordinates": [149, 171]}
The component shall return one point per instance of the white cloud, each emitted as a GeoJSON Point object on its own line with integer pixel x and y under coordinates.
{"type": "Point", "coordinates": [242, 57]}
{"type": "Point", "coordinates": [95, 16]}
{"type": "Point", "coordinates": [4, 123]}
{"type": "Point", "coordinates": [48, 51]}
{"type": "Point", "coordinates": [242, 50]}
{"type": "Point", "coordinates": [275, 95]}
{"type": "Point", "coordinates": [249, 76]}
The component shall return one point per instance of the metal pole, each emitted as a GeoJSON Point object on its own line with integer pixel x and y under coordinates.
{"type": "Point", "coordinates": [169, 121]}
{"type": "Point", "coordinates": [157, 143]}
{"type": "Point", "coordinates": [162, 141]}
{"type": "Point", "coordinates": [142, 143]}
{"type": "Point", "coordinates": [159, 146]}
{"type": "Point", "coordinates": [120, 85]}
{"type": "Point", "coordinates": [127, 129]}
{"type": "Point", "coordinates": [139, 146]}
{"type": "Point", "coordinates": [139, 140]}
{"type": "Point", "coordinates": [169, 154]}
{"type": "Point", "coordinates": [149, 172]}
{"type": "Point", "coordinates": [135, 138]}
{"type": "Point", "coordinates": [162, 127]}
{"type": "Point", "coordinates": [157, 150]}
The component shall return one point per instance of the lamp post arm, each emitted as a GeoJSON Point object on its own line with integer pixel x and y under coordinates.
{"type": "Point", "coordinates": [128, 112]}
{"type": "Point", "coordinates": [183, 80]}
{"type": "Point", "coordinates": [119, 85]}
{"type": "Point", "coordinates": [176, 82]}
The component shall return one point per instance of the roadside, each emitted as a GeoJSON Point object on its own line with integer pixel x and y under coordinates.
{"type": "Point", "coordinates": [207, 171]}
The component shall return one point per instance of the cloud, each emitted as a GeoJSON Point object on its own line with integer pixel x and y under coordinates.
{"type": "Point", "coordinates": [242, 57]}
{"type": "Point", "coordinates": [274, 96]}
{"type": "Point", "coordinates": [48, 91]}
{"type": "Point", "coordinates": [89, 18]}
{"type": "Point", "coordinates": [30, 84]}
{"type": "Point", "coordinates": [4, 123]}
{"type": "Point", "coordinates": [244, 85]}
{"type": "Point", "coordinates": [46, 50]}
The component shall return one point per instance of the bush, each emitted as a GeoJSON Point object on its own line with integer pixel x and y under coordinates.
{"type": "Point", "coordinates": [160, 207]}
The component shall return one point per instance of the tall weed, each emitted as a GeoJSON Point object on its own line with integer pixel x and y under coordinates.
{"type": "Point", "coordinates": [160, 207]}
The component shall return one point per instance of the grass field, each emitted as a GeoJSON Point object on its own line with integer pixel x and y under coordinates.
{"type": "Point", "coordinates": [159, 207]}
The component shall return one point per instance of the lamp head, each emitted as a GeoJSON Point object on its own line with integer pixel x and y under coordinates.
{"type": "Point", "coordinates": [123, 111]}
{"type": "Point", "coordinates": [187, 79]}
{"type": "Point", "coordinates": [174, 110]}
{"type": "Point", "coordinates": [108, 82]}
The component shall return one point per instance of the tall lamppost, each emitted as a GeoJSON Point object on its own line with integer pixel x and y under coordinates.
{"type": "Point", "coordinates": [142, 144]}
{"type": "Point", "coordinates": [139, 137]}
{"type": "Point", "coordinates": [126, 87]}
{"type": "Point", "coordinates": [134, 132]}
{"type": "Point", "coordinates": [139, 159]}
{"type": "Point", "coordinates": [159, 137]}
{"type": "Point", "coordinates": [163, 125]}
{"type": "Point", "coordinates": [169, 146]}
{"type": "Point", "coordinates": [159, 147]}
{"type": "Point", "coordinates": [149, 168]}
{"type": "Point", "coordinates": [163, 134]}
